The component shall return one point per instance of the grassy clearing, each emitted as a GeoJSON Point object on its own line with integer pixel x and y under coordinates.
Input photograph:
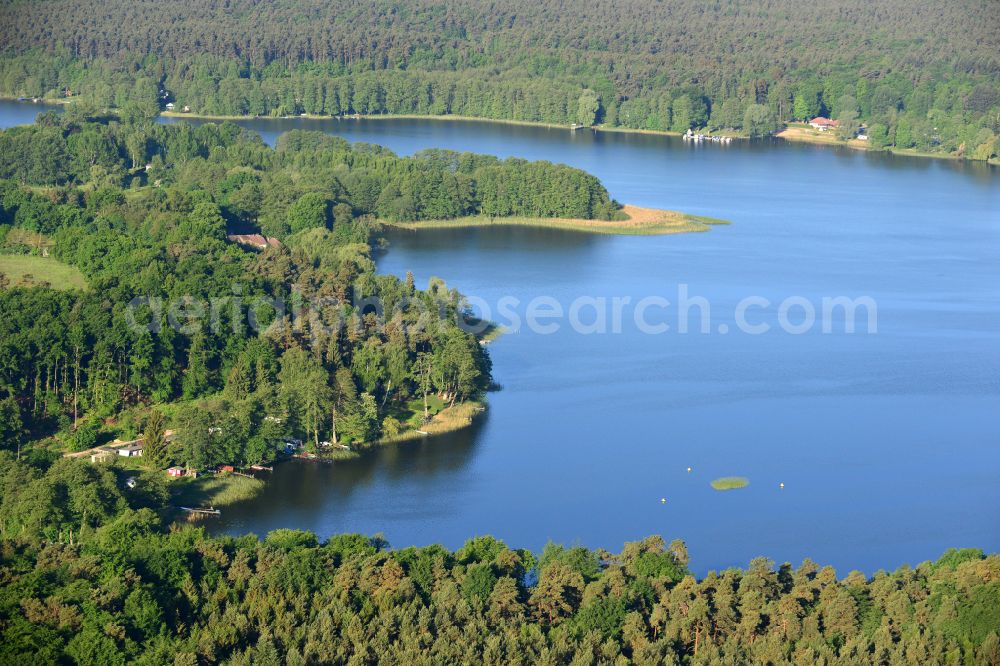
{"type": "Point", "coordinates": [453, 418]}
{"type": "Point", "coordinates": [640, 222]}
{"type": "Point", "coordinates": [216, 490]}
{"type": "Point", "coordinates": [806, 134]}
{"type": "Point", "coordinates": [30, 239]}
{"type": "Point", "coordinates": [33, 271]}
{"type": "Point", "coordinates": [411, 413]}
{"type": "Point", "coordinates": [444, 419]}
{"type": "Point", "coordinates": [730, 482]}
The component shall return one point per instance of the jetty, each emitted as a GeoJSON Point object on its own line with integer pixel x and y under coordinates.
{"type": "Point", "coordinates": [211, 511]}
{"type": "Point", "coordinates": [697, 138]}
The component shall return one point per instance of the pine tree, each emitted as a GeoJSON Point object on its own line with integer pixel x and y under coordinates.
{"type": "Point", "coordinates": [196, 376]}
{"type": "Point", "coordinates": [154, 448]}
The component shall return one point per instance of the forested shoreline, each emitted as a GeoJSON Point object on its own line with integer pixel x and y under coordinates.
{"type": "Point", "coordinates": [918, 77]}
{"type": "Point", "coordinates": [92, 575]}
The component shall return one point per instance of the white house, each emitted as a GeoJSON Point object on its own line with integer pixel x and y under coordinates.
{"type": "Point", "coordinates": [130, 450]}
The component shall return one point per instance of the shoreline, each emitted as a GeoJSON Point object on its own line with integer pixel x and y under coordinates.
{"type": "Point", "coordinates": [799, 133]}
{"type": "Point", "coordinates": [447, 117]}
{"type": "Point", "coordinates": [640, 222]}
{"type": "Point", "coordinates": [790, 132]}
{"type": "Point", "coordinates": [377, 116]}
{"type": "Point", "coordinates": [448, 420]}
{"type": "Point", "coordinates": [226, 489]}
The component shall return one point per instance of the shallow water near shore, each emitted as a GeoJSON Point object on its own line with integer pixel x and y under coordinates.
{"type": "Point", "coordinates": [887, 443]}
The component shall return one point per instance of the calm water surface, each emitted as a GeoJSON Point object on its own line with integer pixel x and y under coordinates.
{"type": "Point", "coordinates": [888, 444]}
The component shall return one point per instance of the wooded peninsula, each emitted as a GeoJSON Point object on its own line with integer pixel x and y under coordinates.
{"type": "Point", "coordinates": [336, 355]}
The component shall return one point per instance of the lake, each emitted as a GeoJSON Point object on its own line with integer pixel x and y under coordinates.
{"type": "Point", "coordinates": [887, 442]}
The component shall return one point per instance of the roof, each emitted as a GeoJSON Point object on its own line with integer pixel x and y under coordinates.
{"type": "Point", "coordinates": [254, 240]}
{"type": "Point", "coordinates": [135, 446]}
{"type": "Point", "coordinates": [826, 122]}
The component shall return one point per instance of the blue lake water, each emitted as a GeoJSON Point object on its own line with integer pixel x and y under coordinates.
{"type": "Point", "coordinates": [888, 443]}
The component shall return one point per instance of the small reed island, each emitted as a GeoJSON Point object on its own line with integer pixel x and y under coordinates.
{"type": "Point", "coordinates": [730, 482]}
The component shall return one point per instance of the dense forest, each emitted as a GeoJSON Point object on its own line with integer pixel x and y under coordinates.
{"type": "Point", "coordinates": [301, 340]}
{"type": "Point", "coordinates": [90, 575]}
{"type": "Point", "coordinates": [918, 75]}
{"type": "Point", "coordinates": [230, 298]}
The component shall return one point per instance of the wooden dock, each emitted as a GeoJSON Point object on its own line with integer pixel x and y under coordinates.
{"type": "Point", "coordinates": [211, 511]}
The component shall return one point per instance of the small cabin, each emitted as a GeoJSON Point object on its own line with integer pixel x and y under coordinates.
{"type": "Point", "coordinates": [226, 468]}
{"type": "Point", "coordinates": [101, 455]}
{"type": "Point", "coordinates": [175, 472]}
{"type": "Point", "coordinates": [170, 106]}
{"type": "Point", "coordinates": [133, 450]}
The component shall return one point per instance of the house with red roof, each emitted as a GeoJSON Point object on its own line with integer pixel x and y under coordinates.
{"type": "Point", "coordinates": [823, 124]}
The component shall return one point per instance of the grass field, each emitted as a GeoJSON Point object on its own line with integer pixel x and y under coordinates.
{"type": "Point", "coordinates": [23, 270]}
{"type": "Point", "coordinates": [640, 222]}
{"type": "Point", "coordinates": [453, 418]}
{"type": "Point", "coordinates": [411, 413]}
{"type": "Point", "coordinates": [731, 483]}
{"type": "Point", "coordinates": [443, 419]}
{"type": "Point", "coordinates": [216, 490]}
{"type": "Point", "coordinates": [804, 133]}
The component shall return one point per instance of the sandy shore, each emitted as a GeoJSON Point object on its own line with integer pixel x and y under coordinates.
{"type": "Point", "coordinates": [640, 222]}
{"type": "Point", "coordinates": [809, 135]}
